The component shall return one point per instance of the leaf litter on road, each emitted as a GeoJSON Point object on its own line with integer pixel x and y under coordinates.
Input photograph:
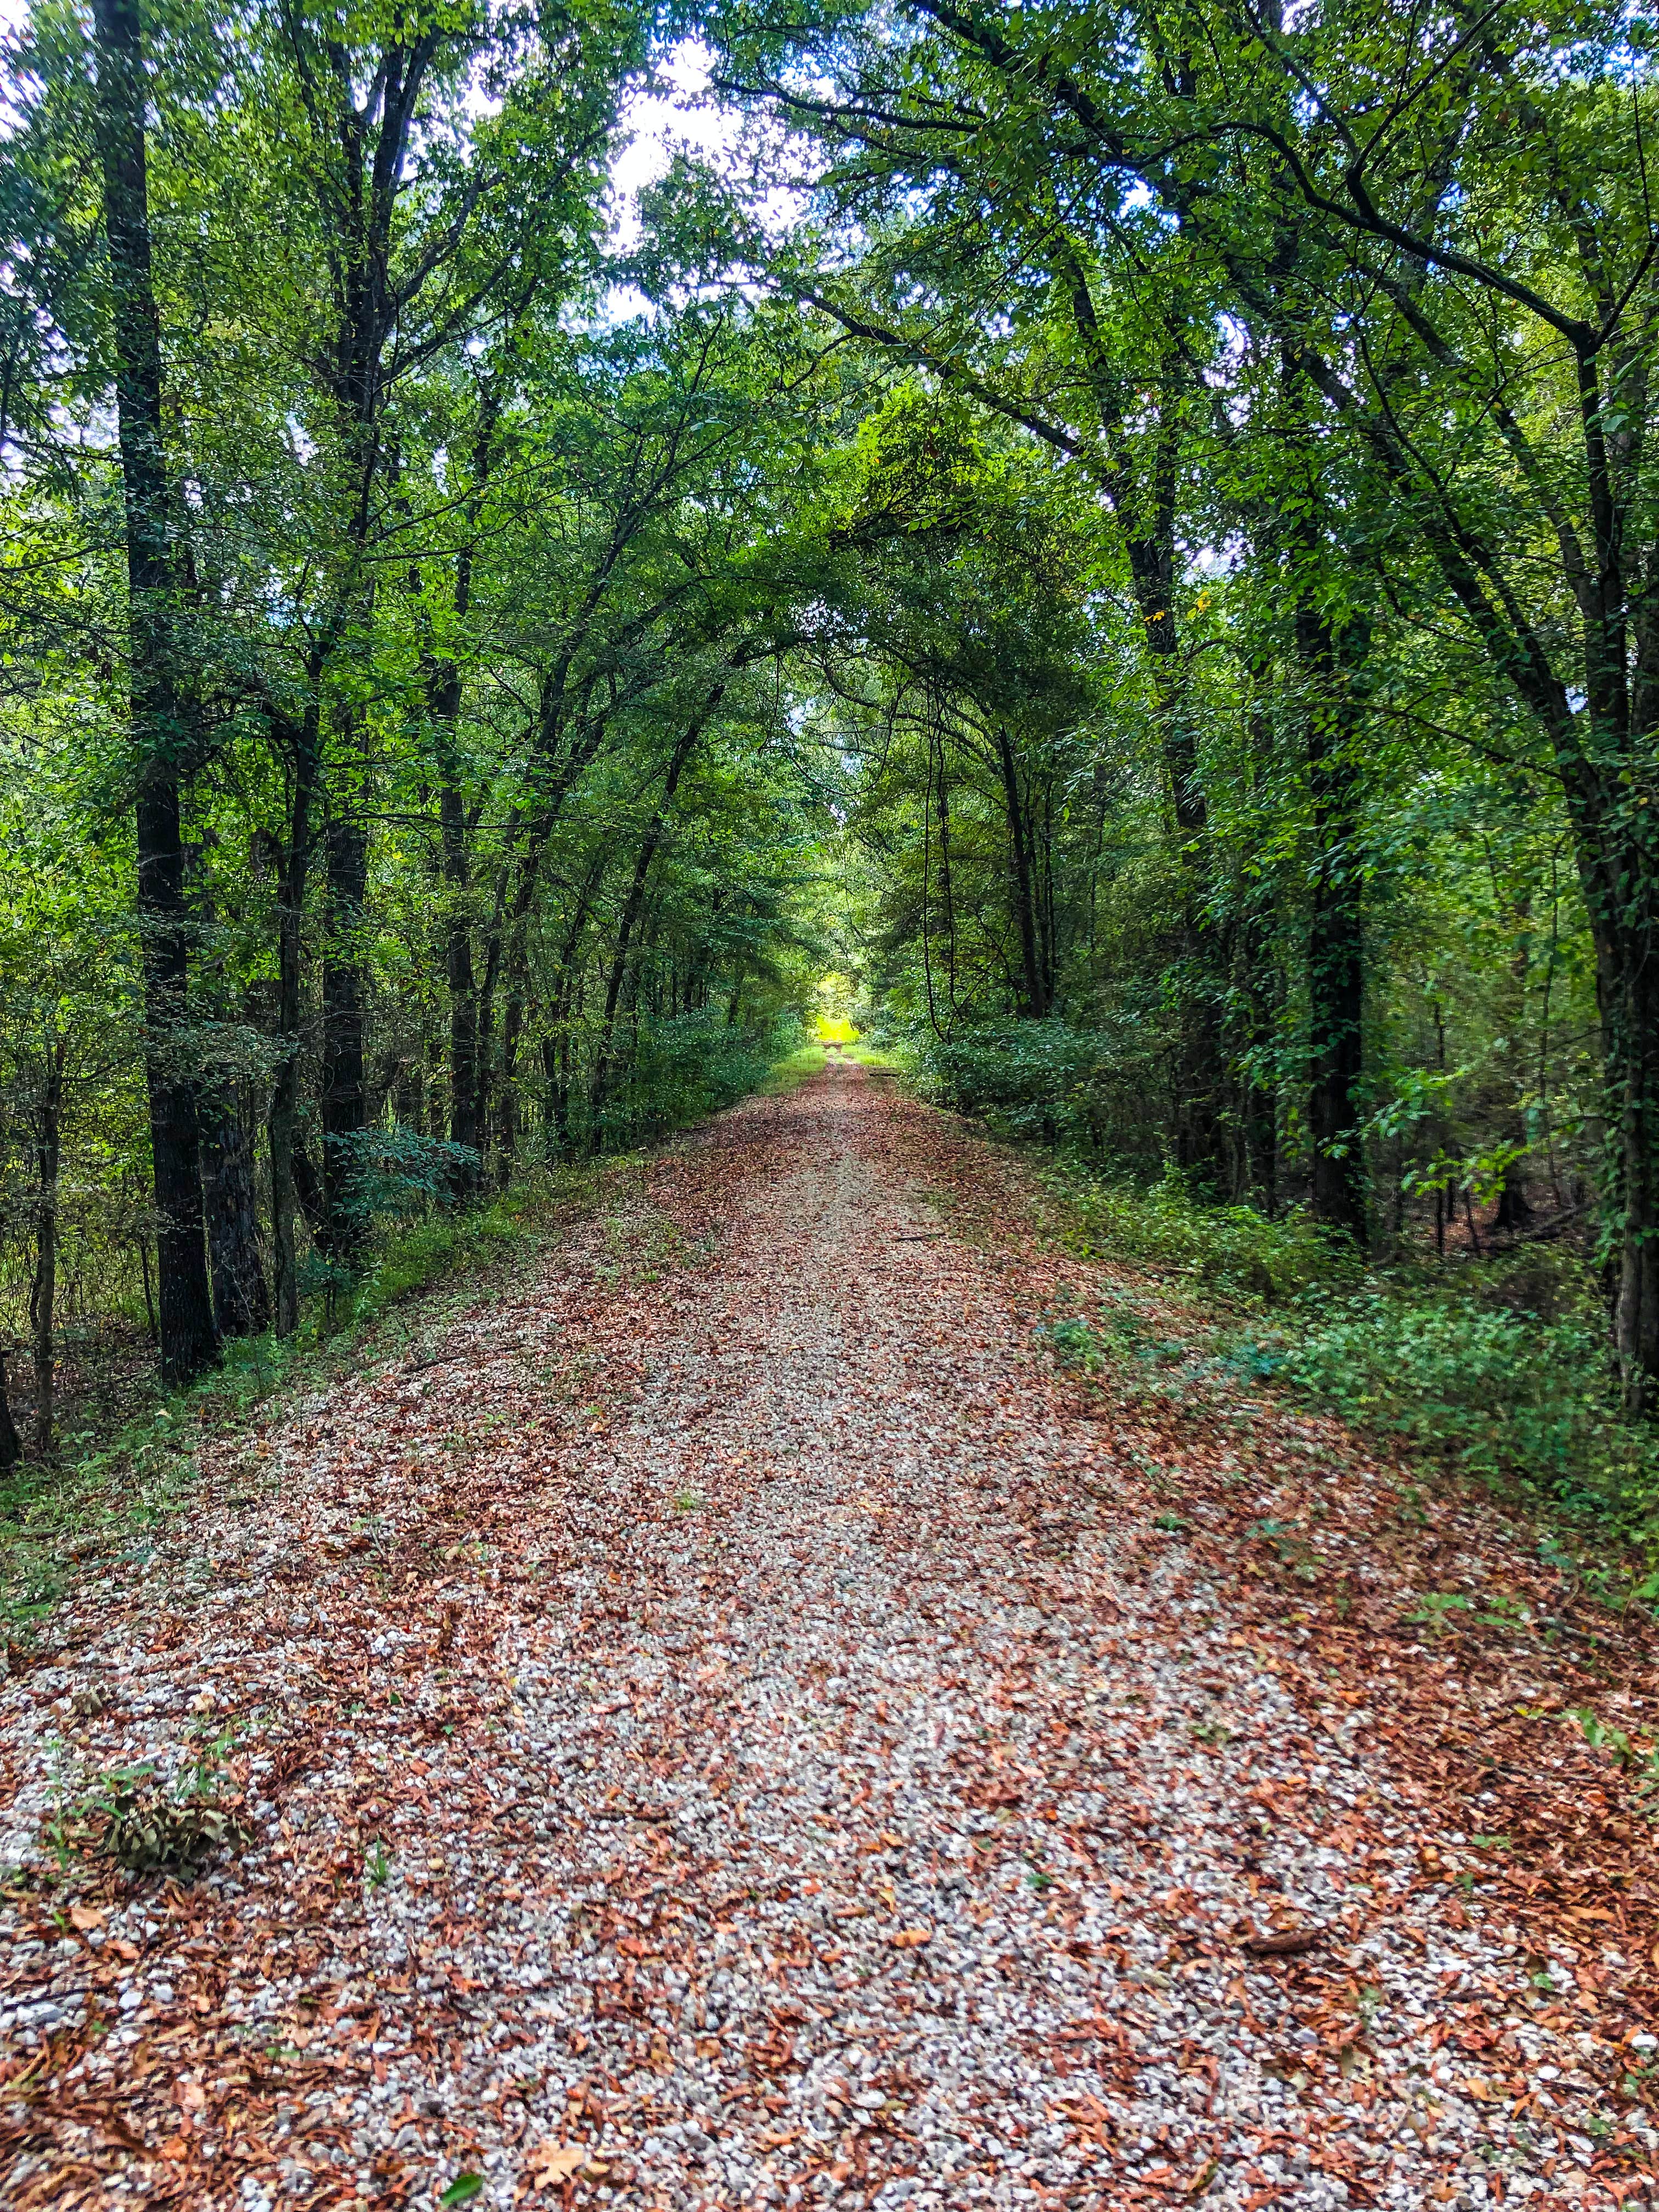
{"type": "Point", "coordinates": [748, 1729]}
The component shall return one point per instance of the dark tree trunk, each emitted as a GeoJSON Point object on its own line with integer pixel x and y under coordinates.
{"type": "Point", "coordinates": [283, 1125]}
{"type": "Point", "coordinates": [1036, 991]}
{"type": "Point", "coordinates": [1257, 997]}
{"type": "Point", "coordinates": [1514, 1207]}
{"type": "Point", "coordinates": [345, 846]}
{"type": "Point", "coordinates": [444, 704]}
{"type": "Point", "coordinates": [240, 1298]}
{"type": "Point", "coordinates": [506, 1085]}
{"type": "Point", "coordinates": [43, 1291]}
{"type": "Point", "coordinates": [188, 1340]}
{"type": "Point", "coordinates": [11, 1448]}
{"type": "Point", "coordinates": [458, 965]}
{"type": "Point", "coordinates": [309, 1190]}
{"type": "Point", "coordinates": [1336, 937]}
{"type": "Point", "coordinates": [1628, 982]}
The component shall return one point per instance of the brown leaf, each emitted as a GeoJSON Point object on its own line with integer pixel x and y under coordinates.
{"type": "Point", "coordinates": [556, 2162]}
{"type": "Point", "coordinates": [1289, 1945]}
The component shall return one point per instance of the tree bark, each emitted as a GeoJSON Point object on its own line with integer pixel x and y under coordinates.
{"type": "Point", "coordinates": [345, 851]}
{"type": "Point", "coordinates": [240, 1298]}
{"type": "Point", "coordinates": [1336, 934]}
{"type": "Point", "coordinates": [444, 690]}
{"type": "Point", "coordinates": [11, 1448]}
{"type": "Point", "coordinates": [43, 1291]}
{"type": "Point", "coordinates": [188, 1343]}
{"type": "Point", "coordinates": [282, 1125]}
{"type": "Point", "coordinates": [1021, 875]}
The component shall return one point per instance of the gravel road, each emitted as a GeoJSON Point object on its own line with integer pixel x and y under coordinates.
{"type": "Point", "coordinates": [719, 1721]}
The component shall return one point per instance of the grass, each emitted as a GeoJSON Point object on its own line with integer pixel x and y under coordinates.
{"type": "Point", "coordinates": [809, 1060]}
{"type": "Point", "coordinates": [794, 1069]}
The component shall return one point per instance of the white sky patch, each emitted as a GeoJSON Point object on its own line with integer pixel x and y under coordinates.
{"type": "Point", "coordinates": [678, 113]}
{"type": "Point", "coordinates": [658, 124]}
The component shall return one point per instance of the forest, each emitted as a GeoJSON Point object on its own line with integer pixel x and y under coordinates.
{"type": "Point", "coordinates": [829, 1105]}
{"type": "Point", "coordinates": [1127, 533]}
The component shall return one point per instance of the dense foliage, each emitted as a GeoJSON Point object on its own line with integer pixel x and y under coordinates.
{"type": "Point", "coordinates": [1130, 529]}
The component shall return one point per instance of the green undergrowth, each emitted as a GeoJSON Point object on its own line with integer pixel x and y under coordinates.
{"type": "Point", "coordinates": [1499, 1367]}
{"type": "Point", "coordinates": [794, 1069]}
{"type": "Point", "coordinates": [810, 1059]}
{"type": "Point", "coordinates": [106, 1496]}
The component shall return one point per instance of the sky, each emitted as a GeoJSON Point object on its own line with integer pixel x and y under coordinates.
{"type": "Point", "coordinates": [655, 125]}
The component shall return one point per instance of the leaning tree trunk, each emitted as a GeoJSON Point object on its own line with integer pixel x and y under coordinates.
{"type": "Point", "coordinates": [188, 1339]}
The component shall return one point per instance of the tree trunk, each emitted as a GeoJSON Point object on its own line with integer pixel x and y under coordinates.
{"type": "Point", "coordinates": [444, 705]}
{"type": "Point", "coordinates": [345, 847]}
{"type": "Point", "coordinates": [458, 966]}
{"type": "Point", "coordinates": [188, 1339]}
{"type": "Point", "coordinates": [240, 1299]}
{"type": "Point", "coordinates": [1627, 978]}
{"type": "Point", "coordinates": [1036, 991]}
{"type": "Point", "coordinates": [1514, 1207]}
{"type": "Point", "coordinates": [43, 1291]}
{"type": "Point", "coordinates": [11, 1448]}
{"type": "Point", "coordinates": [282, 1125]}
{"type": "Point", "coordinates": [1256, 995]}
{"type": "Point", "coordinates": [1336, 940]}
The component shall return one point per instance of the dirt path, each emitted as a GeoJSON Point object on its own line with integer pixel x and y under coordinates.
{"type": "Point", "coordinates": [731, 1729]}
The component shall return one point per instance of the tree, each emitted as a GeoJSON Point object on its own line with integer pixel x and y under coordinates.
{"type": "Point", "coordinates": [159, 709]}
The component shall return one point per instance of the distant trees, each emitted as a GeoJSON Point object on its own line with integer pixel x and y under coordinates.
{"type": "Point", "coordinates": [1348, 316]}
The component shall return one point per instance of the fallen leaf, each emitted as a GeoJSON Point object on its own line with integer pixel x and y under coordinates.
{"type": "Point", "coordinates": [910, 1939]}
{"type": "Point", "coordinates": [557, 2161]}
{"type": "Point", "coordinates": [1290, 1945]}
{"type": "Point", "coordinates": [84, 1916]}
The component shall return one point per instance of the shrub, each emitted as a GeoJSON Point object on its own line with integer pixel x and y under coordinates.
{"type": "Point", "coordinates": [1229, 1250]}
{"type": "Point", "coordinates": [1499, 1392]}
{"type": "Point", "coordinates": [684, 1069]}
{"type": "Point", "coordinates": [1500, 1366]}
{"type": "Point", "coordinates": [1083, 1089]}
